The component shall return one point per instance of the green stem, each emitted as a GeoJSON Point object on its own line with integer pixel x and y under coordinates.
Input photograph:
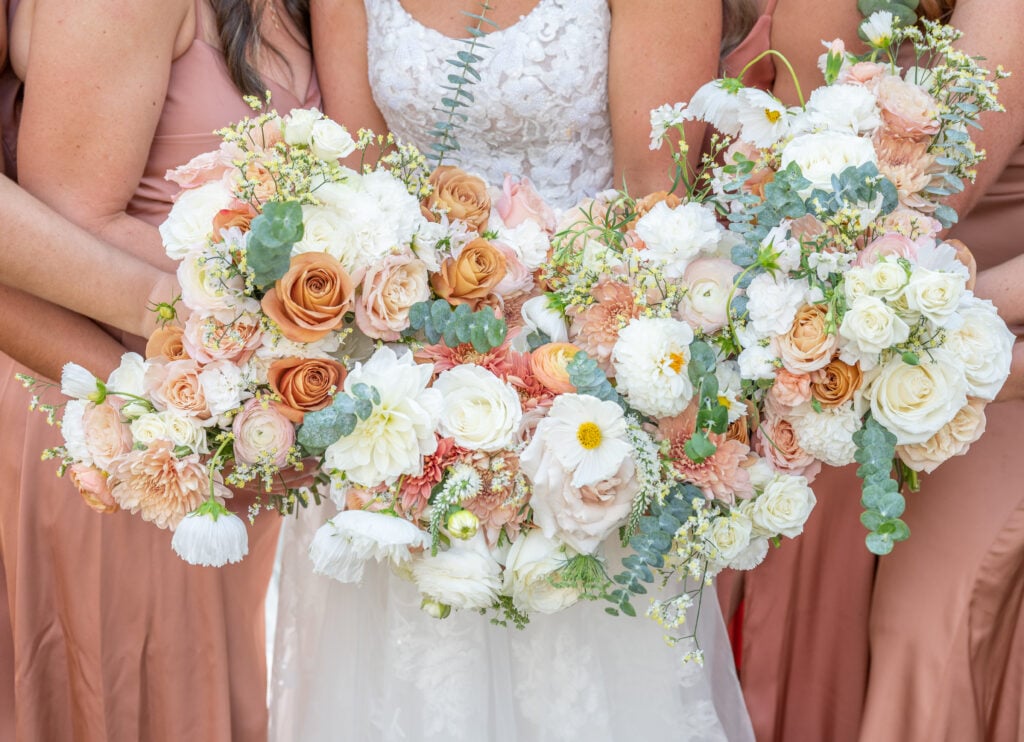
{"type": "Point", "coordinates": [792, 72]}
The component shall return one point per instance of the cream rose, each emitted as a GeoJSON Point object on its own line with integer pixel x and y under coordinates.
{"type": "Point", "coordinates": [954, 439]}
{"type": "Point", "coordinates": [887, 279]}
{"type": "Point", "coordinates": [729, 536]}
{"type": "Point", "coordinates": [935, 294]}
{"type": "Point", "coordinates": [869, 327]}
{"type": "Point", "coordinates": [984, 345]}
{"type": "Point", "coordinates": [531, 562]}
{"type": "Point", "coordinates": [481, 412]}
{"type": "Point", "coordinates": [915, 402]}
{"type": "Point", "coordinates": [330, 141]}
{"type": "Point", "coordinates": [389, 289]}
{"type": "Point", "coordinates": [298, 125]}
{"type": "Point", "coordinates": [783, 507]}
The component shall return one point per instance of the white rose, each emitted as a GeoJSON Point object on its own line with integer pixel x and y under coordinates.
{"type": "Point", "coordinates": [783, 507]}
{"type": "Point", "coordinates": [772, 303]}
{"type": "Point", "coordinates": [73, 431]}
{"type": "Point", "coordinates": [223, 385]}
{"type": "Point", "coordinates": [826, 154]}
{"type": "Point", "coordinates": [855, 284]}
{"type": "Point", "coordinates": [465, 576]}
{"type": "Point", "coordinates": [330, 141]}
{"type": "Point", "coordinates": [676, 236]}
{"type": "Point", "coordinates": [190, 222]}
{"type": "Point", "coordinates": [869, 327]}
{"type": "Point", "coordinates": [298, 125]}
{"type": "Point", "coordinates": [887, 279]}
{"type": "Point", "coordinates": [729, 536]}
{"type": "Point", "coordinates": [538, 316]}
{"type": "Point", "coordinates": [954, 439]}
{"type": "Point", "coordinates": [481, 412]}
{"type": "Point", "coordinates": [148, 428]}
{"type": "Point", "coordinates": [914, 402]}
{"type": "Point", "coordinates": [531, 561]}
{"type": "Point", "coordinates": [985, 346]}
{"type": "Point", "coordinates": [183, 431]}
{"type": "Point", "coordinates": [342, 546]}
{"type": "Point", "coordinates": [128, 378]}
{"type": "Point", "coordinates": [935, 295]}
{"type": "Point", "coordinates": [650, 359]}
{"type": "Point", "coordinates": [760, 473]}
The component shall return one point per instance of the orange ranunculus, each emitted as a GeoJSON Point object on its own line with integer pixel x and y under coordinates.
{"type": "Point", "coordinates": [166, 342]}
{"type": "Point", "coordinates": [549, 363]}
{"type": "Point", "coordinates": [471, 277]}
{"type": "Point", "coordinates": [459, 195]}
{"type": "Point", "coordinates": [240, 217]}
{"type": "Point", "coordinates": [304, 384]}
{"type": "Point", "coordinates": [310, 299]}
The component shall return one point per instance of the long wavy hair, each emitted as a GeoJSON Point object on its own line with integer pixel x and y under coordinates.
{"type": "Point", "coordinates": [238, 25]}
{"type": "Point", "coordinates": [935, 10]}
{"type": "Point", "coordinates": [738, 17]}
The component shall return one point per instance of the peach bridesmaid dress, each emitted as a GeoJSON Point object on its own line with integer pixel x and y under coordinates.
{"type": "Point", "coordinates": [114, 637]}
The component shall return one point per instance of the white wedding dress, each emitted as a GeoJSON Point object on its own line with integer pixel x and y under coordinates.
{"type": "Point", "coordinates": [363, 663]}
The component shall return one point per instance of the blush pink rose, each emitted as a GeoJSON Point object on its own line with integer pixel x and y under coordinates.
{"type": "Point", "coordinates": [777, 442]}
{"type": "Point", "coordinates": [262, 434]}
{"type": "Point", "coordinates": [520, 201]}
{"type": "Point", "coordinates": [92, 486]}
{"type": "Point", "coordinates": [106, 436]}
{"type": "Point", "coordinates": [207, 167]}
{"type": "Point", "coordinates": [790, 389]}
{"type": "Point", "coordinates": [388, 289]}
{"type": "Point", "coordinates": [207, 339]}
{"type": "Point", "coordinates": [862, 73]}
{"type": "Point", "coordinates": [176, 385]}
{"type": "Point", "coordinates": [518, 278]}
{"type": "Point", "coordinates": [890, 243]}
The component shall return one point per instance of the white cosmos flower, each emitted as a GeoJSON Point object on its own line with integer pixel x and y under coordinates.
{"type": "Point", "coordinates": [211, 536]}
{"type": "Point", "coordinates": [587, 436]}
{"type": "Point", "coordinates": [342, 545]}
{"type": "Point", "coordinates": [650, 359]}
{"type": "Point", "coordinates": [763, 117]}
{"type": "Point", "coordinates": [878, 28]}
{"type": "Point", "coordinates": [674, 237]}
{"type": "Point", "coordinates": [717, 106]}
{"type": "Point", "coordinates": [539, 316]}
{"type": "Point", "coordinates": [465, 576]}
{"type": "Point", "coordinates": [73, 431]}
{"type": "Point", "coordinates": [481, 412]}
{"type": "Point", "coordinates": [80, 383]}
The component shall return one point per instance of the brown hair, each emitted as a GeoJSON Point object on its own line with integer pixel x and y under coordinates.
{"type": "Point", "coordinates": [238, 24]}
{"type": "Point", "coordinates": [738, 17]}
{"type": "Point", "coordinates": [935, 10]}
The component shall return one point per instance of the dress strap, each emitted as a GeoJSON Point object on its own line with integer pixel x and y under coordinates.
{"type": "Point", "coordinates": [769, 9]}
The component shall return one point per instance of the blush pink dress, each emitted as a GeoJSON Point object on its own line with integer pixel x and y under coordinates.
{"type": "Point", "coordinates": [110, 636]}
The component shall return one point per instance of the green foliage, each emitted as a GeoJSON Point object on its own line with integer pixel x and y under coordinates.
{"type": "Point", "coordinates": [440, 321]}
{"type": "Point", "coordinates": [855, 187]}
{"type": "Point", "coordinates": [323, 427]}
{"type": "Point", "coordinates": [712, 416]}
{"type": "Point", "coordinates": [880, 493]}
{"type": "Point", "coordinates": [782, 200]}
{"type": "Point", "coordinates": [588, 378]}
{"type": "Point", "coordinates": [271, 236]}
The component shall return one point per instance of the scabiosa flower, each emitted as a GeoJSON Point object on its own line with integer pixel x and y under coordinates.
{"type": "Point", "coordinates": [211, 536]}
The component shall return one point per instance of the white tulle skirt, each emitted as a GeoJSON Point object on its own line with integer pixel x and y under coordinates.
{"type": "Point", "coordinates": [363, 662]}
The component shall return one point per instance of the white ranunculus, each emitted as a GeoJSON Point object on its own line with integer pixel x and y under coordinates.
{"type": "Point", "coordinates": [849, 108]}
{"type": "Point", "coordinates": [783, 507]}
{"type": "Point", "coordinates": [828, 153]}
{"type": "Point", "coordinates": [984, 345]}
{"type": "Point", "coordinates": [128, 377]}
{"type": "Point", "coordinates": [223, 386]}
{"type": "Point", "coordinates": [330, 141]}
{"type": "Point", "coordinates": [148, 428]}
{"type": "Point", "coordinates": [827, 435]}
{"type": "Point", "coordinates": [73, 431]}
{"type": "Point", "coordinates": [298, 125]}
{"type": "Point", "coordinates": [531, 561]}
{"type": "Point", "coordinates": [190, 222]}
{"type": "Point", "coordinates": [538, 316]}
{"type": "Point", "coordinates": [887, 279]}
{"type": "Point", "coordinates": [342, 545]}
{"type": "Point", "coordinates": [183, 430]}
{"type": "Point", "coordinates": [674, 237]}
{"type": "Point", "coordinates": [481, 412]}
{"type": "Point", "coordinates": [869, 327]}
{"type": "Point", "coordinates": [936, 295]}
{"type": "Point", "coordinates": [529, 241]}
{"type": "Point", "coordinates": [709, 284]}
{"type": "Point", "coordinates": [772, 303]}
{"type": "Point", "coordinates": [399, 432]}
{"type": "Point", "coordinates": [729, 536]}
{"type": "Point", "coordinates": [466, 576]}
{"type": "Point", "coordinates": [650, 359]}
{"type": "Point", "coordinates": [208, 541]}
{"type": "Point", "coordinates": [914, 402]}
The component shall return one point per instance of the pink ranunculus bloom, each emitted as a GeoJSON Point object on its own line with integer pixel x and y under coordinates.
{"type": "Point", "coordinates": [106, 435]}
{"type": "Point", "coordinates": [387, 290]}
{"type": "Point", "coordinates": [520, 201]}
{"type": "Point", "coordinates": [518, 280]}
{"type": "Point", "coordinates": [776, 441]}
{"type": "Point", "coordinates": [790, 389]}
{"type": "Point", "coordinates": [862, 73]}
{"type": "Point", "coordinates": [709, 283]}
{"type": "Point", "coordinates": [92, 485]}
{"type": "Point", "coordinates": [890, 243]}
{"type": "Point", "coordinates": [207, 339]}
{"type": "Point", "coordinates": [721, 475]}
{"type": "Point", "coordinates": [907, 110]}
{"type": "Point", "coordinates": [262, 434]}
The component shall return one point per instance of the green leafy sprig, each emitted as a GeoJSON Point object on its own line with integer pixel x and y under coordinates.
{"type": "Point", "coordinates": [321, 428]}
{"type": "Point", "coordinates": [880, 493]}
{"type": "Point", "coordinates": [440, 321]}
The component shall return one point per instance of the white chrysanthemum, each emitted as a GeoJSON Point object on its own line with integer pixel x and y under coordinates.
{"type": "Point", "coordinates": [772, 302]}
{"type": "Point", "coordinates": [717, 106]}
{"type": "Point", "coordinates": [676, 236]}
{"type": "Point", "coordinates": [823, 155]}
{"type": "Point", "coordinates": [73, 431]}
{"type": "Point", "coordinates": [466, 576]}
{"type": "Point", "coordinates": [827, 435]}
{"type": "Point", "coordinates": [223, 386]}
{"type": "Point", "coordinates": [480, 412]}
{"type": "Point", "coordinates": [665, 116]}
{"type": "Point", "coordinates": [878, 28]}
{"type": "Point", "coordinates": [79, 383]}
{"type": "Point", "coordinates": [399, 432]}
{"type": "Point", "coordinates": [650, 359]}
{"type": "Point", "coordinates": [763, 117]}
{"type": "Point", "coordinates": [129, 376]}
{"type": "Point", "coordinates": [752, 556]}
{"type": "Point", "coordinates": [851, 108]}
{"type": "Point", "coordinates": [211, 538]}
{"type": "Point", "coordinates": [587, 436]}
{"type": "Point", "coordinates": [342, 545]}
{"type": "Point", "coordinates": [190, 222]}
{"type": "Point", "coordinates": [984, 345]}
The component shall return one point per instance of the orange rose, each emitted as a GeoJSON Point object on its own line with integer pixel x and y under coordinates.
{"type": "Point", "coordinates": [836, 383]}
{"type": "Point", "coordinates": [239, 217]}
{"type": "Point", "coordinates": [459, 195]}
{"type": "Point", "coordinates": [807, 346]}
{"type": "Point", "coordinates": [549, 363]}
{"type": "Point", "coordinates": [471, 277]}
{"type": "Point", "coordinates": [304, 384]}
{"type": "Point", "coordinates": [310, 299]}
{"type": "Point", "coordinates": [166, 342]}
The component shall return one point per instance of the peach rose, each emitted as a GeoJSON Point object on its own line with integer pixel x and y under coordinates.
{"type": "Point", "coordinates": [92, 486]}
{"type": "Point", "coordinates": [207, 339]}
{"type": "Point", "coordinates": [160, 486]}
{"type": "Point", "coordinates": [311, 299]}
{"type": "Point", "coordinates": [266, 186]}
{"type": "Point", "coordinates": [907, 110]}
{"type": "Point", "coordinates": [954, 439]}
{"type": "Point", "coordinates": [807, 346]}
{"type": "Point", "coordinates": [888, 244]}
{"type": "Point", "coordinates": [519, 201]}
{"type": "Point", "coordinates": [790, 389]}
{"type": "Point", "coordinates": [549, 363]}
{"type": "Point", "coordinates": [166, 342]}
{"type": "Point", "coordinates": [106, 436]}
{"type": "Point", "coordinates": [262, 433]}
{"type": "Point", "coordinates": [304, 384]}
{"type": "Point", "coordinates": [776, 441]}
{"type": "Point", "coordinates": [471, 277]}
{"type": "Point", "coordinates": [459, 195]}
{"type": "Point", "coordinates": [836, 383]}
{"type": "Point", "coordinates": [176, 385]}
{"type": "Point", "coordinates": [389, 288]}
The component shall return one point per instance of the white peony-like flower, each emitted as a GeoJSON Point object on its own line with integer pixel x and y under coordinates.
{"type": "Point", "coordinates": [915, 402]}
{"type": "Point", "coordinates": [330, 141]}
{"type": "Point", "coordinates": [211, 538]}
{"type": "Point", "coordinates": [783, 506]}
{"type": "Point", "coordinates": [758, 362]}
{"type": "Point", "coordinates": [73, 431]}
{"type": "Point", "coordinates": [297, 126]}
{"type": "Point", "coordinates": [674, 237]}
{"type": "Point", "coordinates": [466, 576]}
{"type": "Point", "coordinates": [531, 562]}
{"type": "Point", "coordinates": [763, 118]}
{"type": "Point", "coordinates": [399, 432]}
{"type": "Point", "coordinates": [539, 316]}
{"type": "Point", "coordinates": [223, 385]}
{"type": "Point", "coordinates": [481, 412]}
{"type": "Point", "coordinates": [984, 345]}
{"type": "Point", "coordinates": [190, 222]}
{"type": "Point", "coordinates": [827, 435]}
{"type": "Point", "coordinates": [128, 377]}
{"type": "Point", "coordinates": [849, 108]}
{"type": "Point", "coordinates": [936, 295]}
{"type": "Point", "coordinates": [343, 545]}
{"type": "Point", "coordinates": [869, 327]}
{"type": "Point", "coordinates": [729, 536]}
{"type": "Point", "coordinates": [772, 303]}
{"type": "Point", "coordinates": [709, 284]}
{"type": "Point", "coordinates": [650, 359]}
{"type": "Point", "coordinates": [529, 241]}
{"type": "Point", "coordinates": [825, 154]}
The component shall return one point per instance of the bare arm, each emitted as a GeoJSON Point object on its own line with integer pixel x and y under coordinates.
{"type": "Point", "coordinates": [660, 52]}
{"type": "Point", "coordinates": [1004, 285]}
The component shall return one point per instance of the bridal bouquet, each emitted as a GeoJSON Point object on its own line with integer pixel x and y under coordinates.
{"type": "Point", "coordinates": [854, 319]}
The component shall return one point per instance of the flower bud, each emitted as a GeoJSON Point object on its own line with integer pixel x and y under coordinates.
{"type": "Point", "coordinates": [435, 608]}
{"type": "Point", "coordinates": [463, 524]}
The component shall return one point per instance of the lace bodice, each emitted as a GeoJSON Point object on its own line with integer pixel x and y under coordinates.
{"type": "Point", "coordinates": [540, 109]}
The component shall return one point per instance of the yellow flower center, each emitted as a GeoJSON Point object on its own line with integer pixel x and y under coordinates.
{"type": "Point", "coordinates": [724, 401]}
{"type": "Point", "coordinates": [771, 114]}
{"type": "Point", "coordinates": [676, 361]}
{"type": "Point", "coordinates": [589, 436]}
